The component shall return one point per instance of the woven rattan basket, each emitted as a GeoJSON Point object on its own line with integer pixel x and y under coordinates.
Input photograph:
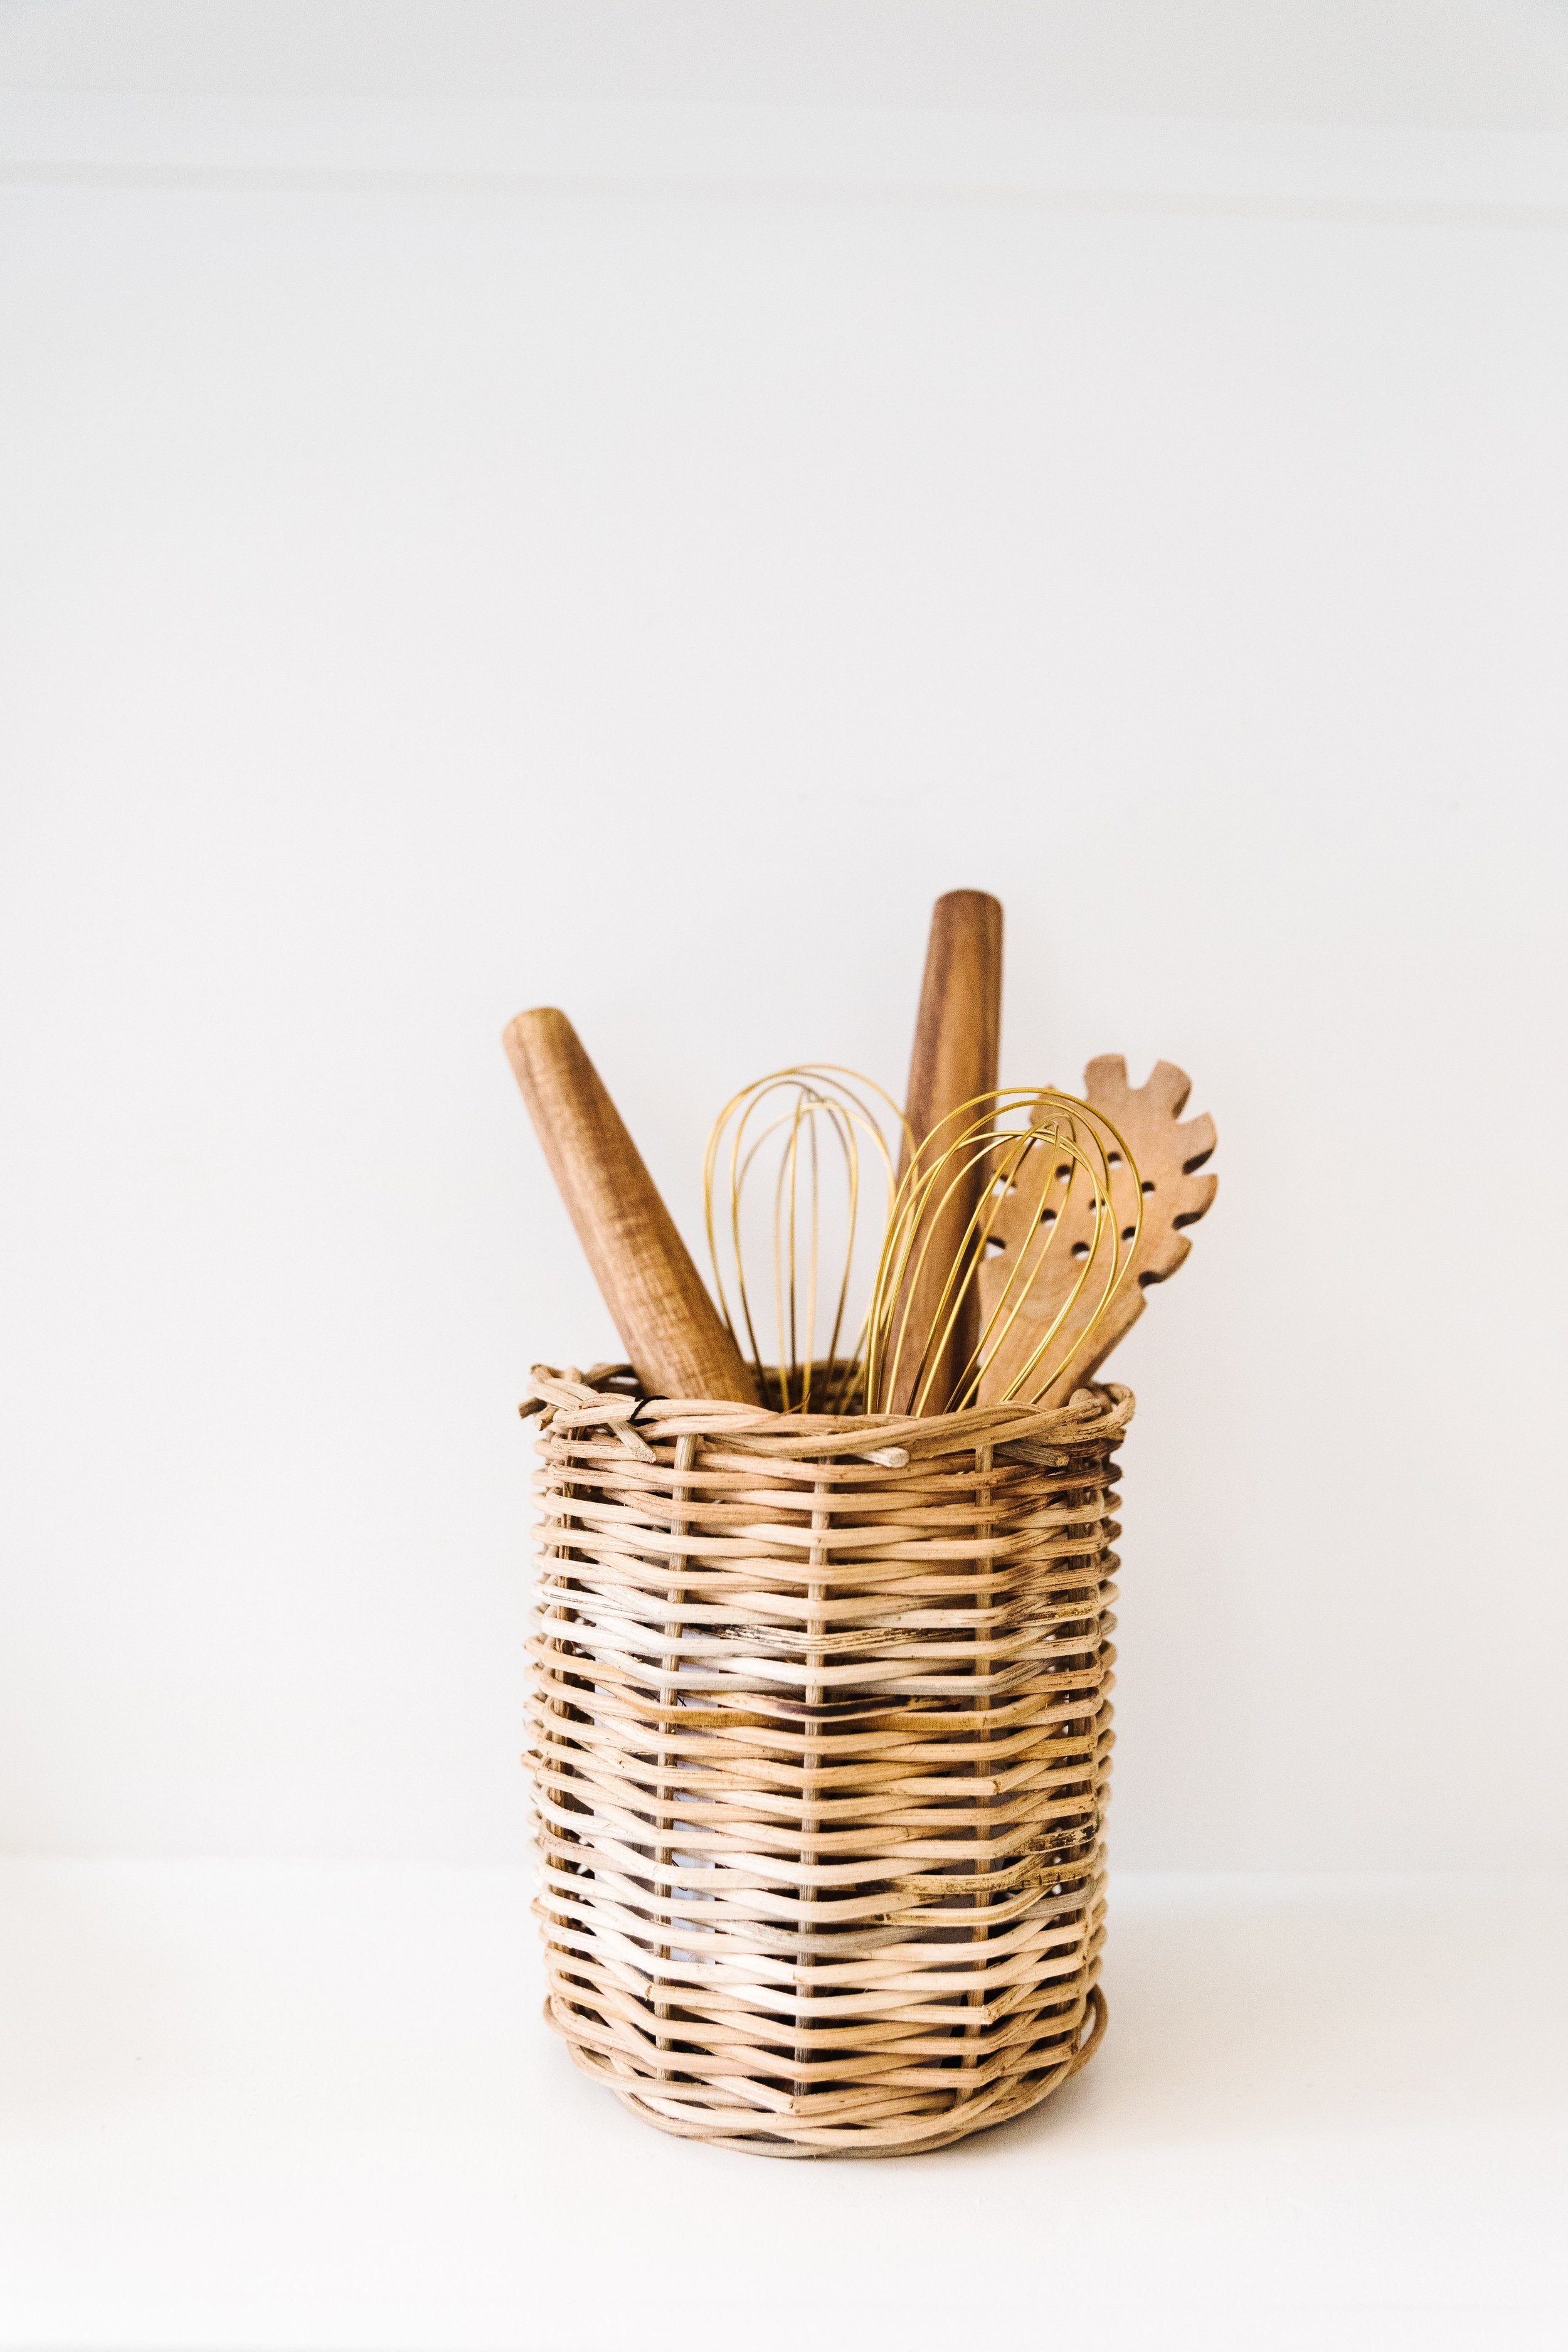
{"type": "Point", "coordinates": [821, 1746]}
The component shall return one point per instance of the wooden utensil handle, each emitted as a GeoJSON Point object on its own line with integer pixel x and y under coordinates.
{"type": "Point", "coordinates": [669, 1326]}
{"type": "Point", "coordinates": [958, 1030]}
{"type": "Point", "coordinates": [957, 1040]}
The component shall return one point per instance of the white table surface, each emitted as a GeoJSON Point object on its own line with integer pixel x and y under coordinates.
{"type": "Point", "coordinates": [274, 2106]}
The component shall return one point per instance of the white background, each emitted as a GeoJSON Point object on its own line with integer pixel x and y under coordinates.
{"type": "Point", "coordinates": [484, 529]}
{"type": "Point", "coordinates": [620, 503]}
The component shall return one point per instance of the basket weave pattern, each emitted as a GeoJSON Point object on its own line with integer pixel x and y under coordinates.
{"type": "Point", "coordinates": [821, 1740]}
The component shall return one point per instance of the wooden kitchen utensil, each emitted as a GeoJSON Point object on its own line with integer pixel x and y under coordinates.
{"type": "Point", "coordinates": [673, 1335]}
{"type": "Point", "coordinates": [1156, 1192]}
{"type": "Point", "coordinates": [957, 1039]}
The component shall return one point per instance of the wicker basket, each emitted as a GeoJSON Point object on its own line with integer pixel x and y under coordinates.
{"type": "Point", "coordinates": [821, 1740]}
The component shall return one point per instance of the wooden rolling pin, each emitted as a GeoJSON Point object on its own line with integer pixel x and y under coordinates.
{"type": "Point", "coordinates": [957, 1039]}
{"type": "Point", "coordinates": [671, 1328]}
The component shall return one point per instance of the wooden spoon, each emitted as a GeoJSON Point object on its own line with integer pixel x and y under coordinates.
{"type": "Point", "coordinates": [957, 1036]}
{"type": "Point", "coordinates": [671, 1328]}
{"type": "Point", "coordinates": [1167, 1155]}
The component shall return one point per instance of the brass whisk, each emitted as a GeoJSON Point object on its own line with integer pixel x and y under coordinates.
{"type": "Point", "coordinates": [803, 1133]}
{"type": "Point", "coordinates": [1043, 1254]}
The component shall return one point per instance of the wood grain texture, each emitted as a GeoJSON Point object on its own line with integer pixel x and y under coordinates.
{"type": "Point", "coordinates": [1167, 1155]}
{"type": "Point", "coordinates": [669, 1326]}
{"type": "Point", "coordinates": [957, 1040]}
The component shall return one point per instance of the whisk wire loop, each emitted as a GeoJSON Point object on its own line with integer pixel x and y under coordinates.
{"type": "Point", "coordinates": [820, 1228]}
{"type": "Point", "coordinates": [994, 1138]}
{"type": "Point", "coordinates": [1038, 1161]}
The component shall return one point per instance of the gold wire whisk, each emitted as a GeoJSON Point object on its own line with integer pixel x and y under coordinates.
{"type": "Point", "coordinates": [1040, 1164]}
{"type": "Point", "coordinates": [821, 1221]}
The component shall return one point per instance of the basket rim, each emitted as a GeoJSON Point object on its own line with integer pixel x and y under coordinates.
{"type": "Point", "coordinates": [609, 1397]}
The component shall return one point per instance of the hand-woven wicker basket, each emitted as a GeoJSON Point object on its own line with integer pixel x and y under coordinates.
{"type": "Point", "coordinates": [822, 1741]}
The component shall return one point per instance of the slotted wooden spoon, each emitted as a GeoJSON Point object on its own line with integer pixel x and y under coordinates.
{"type": "Point", "coordinates": [1167, 1155]}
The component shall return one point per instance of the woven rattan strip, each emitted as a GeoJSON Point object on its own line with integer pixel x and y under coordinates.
{"type": "Point", "coordinates": [821, 1746]}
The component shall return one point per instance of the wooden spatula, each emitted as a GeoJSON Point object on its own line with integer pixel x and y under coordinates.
{"type": "Point", "coordinates": [957, 1036]}
{"type": "Point", "coordinates": [1167, 1155]}
{"type": "Point", "coordinates": [669, 1326]}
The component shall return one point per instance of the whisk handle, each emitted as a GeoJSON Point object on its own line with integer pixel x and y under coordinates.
{"type": "Point", "coordinates": [669, 1326]}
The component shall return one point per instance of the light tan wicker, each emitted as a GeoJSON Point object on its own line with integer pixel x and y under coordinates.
{"type": "Point", "coordinates": [822, 1741]}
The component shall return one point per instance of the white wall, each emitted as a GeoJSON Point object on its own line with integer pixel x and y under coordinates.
{"type": "Point", "coordinates": [429, 594]}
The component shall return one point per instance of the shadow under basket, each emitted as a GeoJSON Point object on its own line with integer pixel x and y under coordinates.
{"type": "Point", "coordinates": [822, 1739]}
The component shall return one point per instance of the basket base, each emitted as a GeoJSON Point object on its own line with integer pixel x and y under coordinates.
{"type": "Point", "coordinates": [907, 2135]}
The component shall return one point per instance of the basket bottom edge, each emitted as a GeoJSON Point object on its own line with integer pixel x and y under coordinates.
{"type": "Point", "coordinates": [801, 2143]}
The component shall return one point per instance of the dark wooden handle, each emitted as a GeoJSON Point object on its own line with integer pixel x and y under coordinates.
{"type": "Point", "coordinates": [957, 1040]}
{"type": "Point", "coordinates": [671, 1328]}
